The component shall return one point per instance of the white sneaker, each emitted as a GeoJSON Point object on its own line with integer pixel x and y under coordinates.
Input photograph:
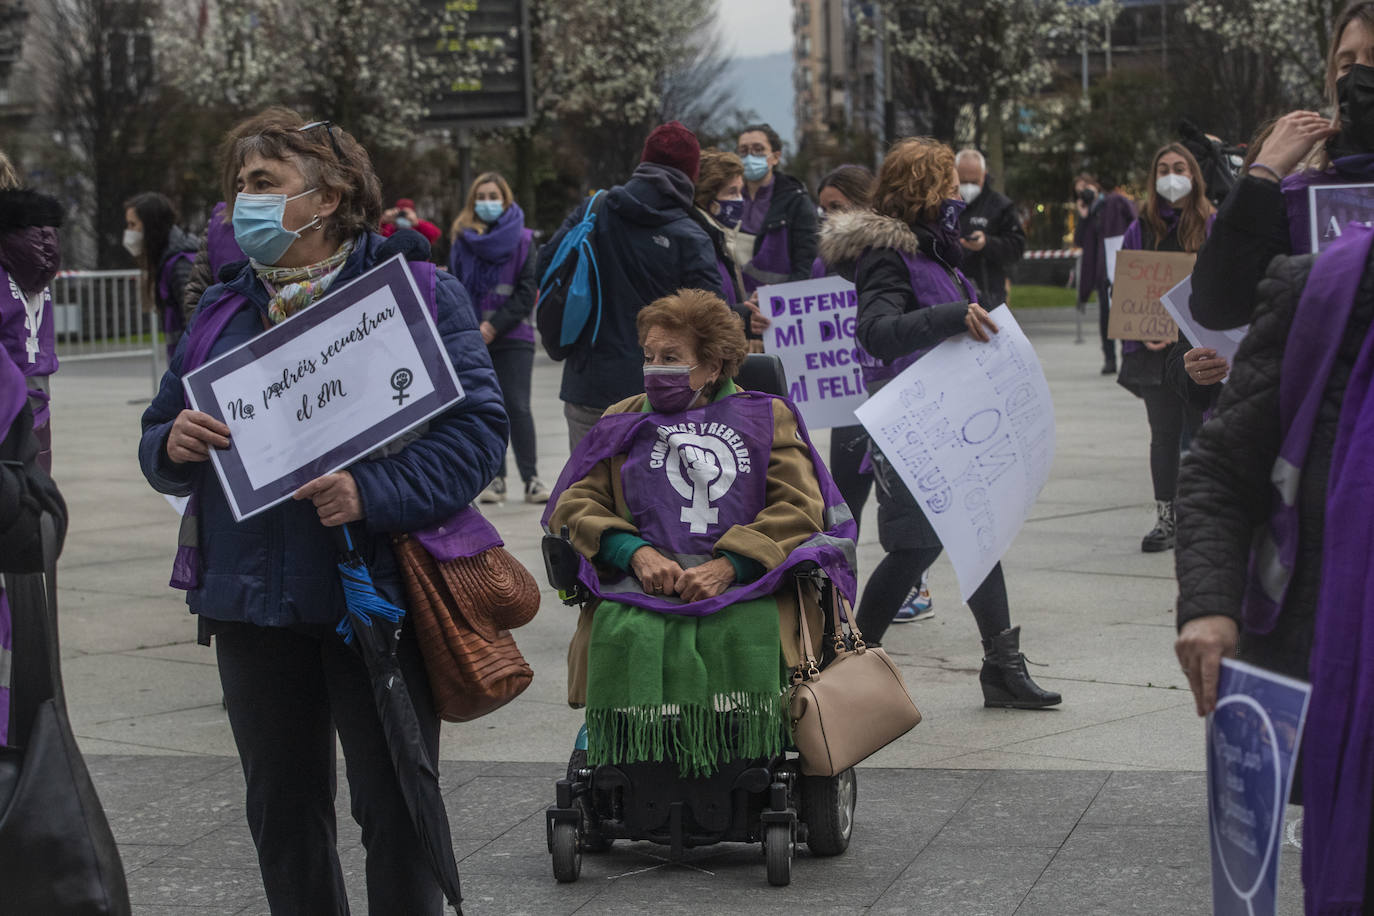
{"type": "Point", "coordinates": [494, 493]}
{"type": "Point", "coordinates": [536, 492]}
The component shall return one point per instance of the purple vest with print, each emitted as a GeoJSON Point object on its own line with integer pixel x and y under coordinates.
{"type": "Point", "coordinates": [33, 349]}
{"type": "Point", "coordinates": [690, 477]}
{"type": "Point", "coordinates": [494, 298]}
{"type": "Point", "coordinates": [772, 261]}
{"type": "Point", "coordinates": [933, 284]}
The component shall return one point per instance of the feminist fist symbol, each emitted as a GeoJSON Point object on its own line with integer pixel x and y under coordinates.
{"type": "Point", "coordinates": [702, 469]}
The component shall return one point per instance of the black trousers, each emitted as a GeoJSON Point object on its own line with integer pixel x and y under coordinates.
{"type": "Point", "coordinates": [848, 444]}
{"type": "Point", "coordinates": [1170, 416]}
{"type": "Point", "coordinates": [1104, 311]}
{"type": "Point", "coordinates": [287, 692]}
{"type": "Point", "coordinates": [514, 367]}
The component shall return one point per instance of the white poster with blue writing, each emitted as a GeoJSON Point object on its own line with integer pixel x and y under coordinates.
{"type": "Point", "coordinates": [970, 430]}
{"type": "Point", "coordinates": [1252, 742]}
{"type": "Point", "coordinates": [813, 334]}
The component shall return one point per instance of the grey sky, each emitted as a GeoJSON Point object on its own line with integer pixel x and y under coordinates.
{"type": "Point", "coordinates": [757, 27]}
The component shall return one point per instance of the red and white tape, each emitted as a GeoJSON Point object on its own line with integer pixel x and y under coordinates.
{"type": "Point", "coordinates": [1050, 254]}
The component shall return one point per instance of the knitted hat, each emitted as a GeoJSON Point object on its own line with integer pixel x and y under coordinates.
{"type": "Point", "coordinates": [675, 146]}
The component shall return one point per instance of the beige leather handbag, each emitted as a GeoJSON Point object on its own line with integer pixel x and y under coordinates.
{"type": "Point", "coordinates": [858, 704]}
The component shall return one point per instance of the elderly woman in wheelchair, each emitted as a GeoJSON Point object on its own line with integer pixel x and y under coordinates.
{"type": "Point", "coordinates": [702, 524]}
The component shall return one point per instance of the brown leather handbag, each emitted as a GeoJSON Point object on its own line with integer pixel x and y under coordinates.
{"type": "Point", "coordinates": [463, 609]}
{"type": "Point", "coordinates": [857, 705]}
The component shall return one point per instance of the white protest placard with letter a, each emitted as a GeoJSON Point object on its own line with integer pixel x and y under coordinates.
{"type": "Point", "coordinates": [970, 430]}
{"type": "Point", "coordinates": [813, 334]}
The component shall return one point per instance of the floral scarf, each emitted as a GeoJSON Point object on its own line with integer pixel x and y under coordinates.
{"type": "Point", "coordinates": [293, 288]}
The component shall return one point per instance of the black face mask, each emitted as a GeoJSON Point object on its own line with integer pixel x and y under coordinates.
{"type": "Point", "coordinates": [1355, 92]}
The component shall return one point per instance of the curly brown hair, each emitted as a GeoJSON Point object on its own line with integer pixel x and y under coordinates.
{"type": "Point", "coordinates": [326, 155]}
{"type": "Point", "coordinates": [718, 168]}
{"type": "Point", "coordinates": [916, 175]}
{"type": "Point", "coordinates": [716, 331]}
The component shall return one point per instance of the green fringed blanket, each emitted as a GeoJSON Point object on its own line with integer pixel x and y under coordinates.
{"type": "Point", "coordinates": [644, 667]}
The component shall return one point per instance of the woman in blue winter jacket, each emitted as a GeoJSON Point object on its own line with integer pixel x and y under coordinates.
{"type": "Point", "coordinates": [493, 256]}
{"type": "Point", "coordinates": [267, 589]}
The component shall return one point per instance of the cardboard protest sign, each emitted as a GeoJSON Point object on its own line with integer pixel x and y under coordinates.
{"type": "Point", "coordinates": [1332, 207]}
{"type": "Point", "coordinates": [1141, 278]}
{"type": "Point", "coordinates": [813, 334]}
{"type": "Point", "coordinates": [1252, 742]}
{"type": "Point", "coordinates": [330, 384]}
{"type": "Point", "coordinates": [969, 428]}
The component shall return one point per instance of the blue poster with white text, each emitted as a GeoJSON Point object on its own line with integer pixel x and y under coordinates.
{"type": "Point", "coordinates": [1252, 743]}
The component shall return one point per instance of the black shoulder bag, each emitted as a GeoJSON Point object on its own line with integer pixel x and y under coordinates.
{"type": "Point", "coordinates": [57, 854]}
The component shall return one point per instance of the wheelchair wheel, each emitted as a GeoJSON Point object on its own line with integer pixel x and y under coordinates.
{"type": "Point", "coordinates": [567, 852]}
{"type": "Point", "coordinates": [827, 808]}
{"type": "Point", "coordinates": [777, 851]}
{"type": "Point", "coordinates": [592, 840]}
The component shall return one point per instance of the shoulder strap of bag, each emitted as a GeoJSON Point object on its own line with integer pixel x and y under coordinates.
{"type": "Point", "coordinates": [48, 528]}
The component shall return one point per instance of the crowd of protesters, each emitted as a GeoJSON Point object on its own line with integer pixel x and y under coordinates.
{"type": "Point", "coordinates": [1257, 464]}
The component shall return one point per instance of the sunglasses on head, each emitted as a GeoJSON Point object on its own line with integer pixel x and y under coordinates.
{"type": "Point", "coordinates": [328, 129]}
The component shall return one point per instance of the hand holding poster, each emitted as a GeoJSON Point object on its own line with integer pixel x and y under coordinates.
{"type": "Point", "coordinates": [813, 334]}
{"type": "Point", "coordinates": [1252, 742]}
{"type": "Point", "coordinates": [1177, 302]}
{"type": "Point", "coordinates": [970, 430]}
{"type": "Point", "coordinates": [317, 392]}
{"type": "Point", "coordinates": [1141, 278]}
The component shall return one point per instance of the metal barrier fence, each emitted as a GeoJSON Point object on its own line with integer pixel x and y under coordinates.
{"type": "Point", "coordinates": [99, 314]}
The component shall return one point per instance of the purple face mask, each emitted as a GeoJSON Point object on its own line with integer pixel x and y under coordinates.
{"type": "Point", "coordinates": [946, 231]}
{"type": "Point", "coordinates": [669, 388]}
{"type": "Point", "coordinates": [730, 212]}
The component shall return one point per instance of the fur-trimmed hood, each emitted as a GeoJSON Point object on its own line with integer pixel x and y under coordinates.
{"type": "Point", "coordinates": [21, 208]}
{"type": "Point", "coordinates": [849, 233]}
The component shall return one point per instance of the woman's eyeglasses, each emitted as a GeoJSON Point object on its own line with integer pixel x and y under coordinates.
{"type": "Point", "coordinates": [328, 129]}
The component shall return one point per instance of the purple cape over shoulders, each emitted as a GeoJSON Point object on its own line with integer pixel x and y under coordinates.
{"type": "Point", "coordinates": [13, 392]}
{"type": "Point", "coordinates": [629, 433]}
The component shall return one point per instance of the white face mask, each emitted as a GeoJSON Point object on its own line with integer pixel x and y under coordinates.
{"type": "Point", "coordinates": [133, 242]}
{"type": "Point", "coordinates": [969, 191]}
{"type": "Point", "coordinates": [1173, 187]}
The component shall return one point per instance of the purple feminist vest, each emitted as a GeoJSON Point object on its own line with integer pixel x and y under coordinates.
{"type": "Point", "coordinates": [933, 284]}
{"type": "Point", "coordinates": [772, 263]}
{"type": "Point", "coordinates": [26, 333]}
{"type": "Point", "coordinates": [494, 298]}
{"type": "Point", "coordinates": [688, 478]}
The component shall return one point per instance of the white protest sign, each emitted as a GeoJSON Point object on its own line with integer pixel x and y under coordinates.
{"type": "Point", "coordinates": [1332, 207]}
{"type": "Point", "coordinates": [1177, 303]}
{"type": "Point", "coordinates": [969, 428]}
{"type": "Point", "coordinates": [325, 387]}
{"type": "Point", "coordinates": [813, 334]}
{"type": "Point", "coordinates": [1112, 247]}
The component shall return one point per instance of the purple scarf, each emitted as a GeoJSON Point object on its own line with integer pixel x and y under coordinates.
{"type": "Point", "coordinates": [1345, 170]}
{"type": "Point", "coordinates": [1338, 764]}
{"type": "Point", "coordinates": [476, 257]}
{"type": "Point", "coordinates": [633, 433]}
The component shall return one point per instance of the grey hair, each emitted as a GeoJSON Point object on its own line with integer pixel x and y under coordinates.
{"type": "Point", "coordinates": [971, 153]}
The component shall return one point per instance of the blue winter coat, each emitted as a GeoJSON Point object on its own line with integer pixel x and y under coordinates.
{"type": "Point", "coordinates": [647, 246]}
{"type": "Point", "coordinates": [279, 568]}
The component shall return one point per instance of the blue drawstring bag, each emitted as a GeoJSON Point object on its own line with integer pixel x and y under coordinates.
{"type": "Point", "coordinates": [568, 310]}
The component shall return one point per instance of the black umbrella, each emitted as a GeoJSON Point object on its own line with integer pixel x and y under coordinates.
{"type": "Point", "coordinates": [373, 626]}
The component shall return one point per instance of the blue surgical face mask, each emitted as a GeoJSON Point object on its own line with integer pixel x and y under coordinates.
{"type": "Point", "coordinates": [402, 223]}
{"type": "Point", "coordinates": [258, 225]}
{"type": "Point", "coordinates": [489, 211]}
{"type": "Point", "coordinates": [755, 167]}
{"type": "Point", "coordinates": [730, 211]}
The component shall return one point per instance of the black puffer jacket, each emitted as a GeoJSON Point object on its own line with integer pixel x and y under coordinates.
{"type": "Point", "coordinates": [1250, 231]}
{"type": "Point", "coordinates": [994, 215]}
{"type": "Point", "coordinates": [1224, 493]}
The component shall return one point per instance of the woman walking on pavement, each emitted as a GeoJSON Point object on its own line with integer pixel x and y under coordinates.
{"type": "Point", "coordinates": [493, 257]}
{"type": "Point", "coordinates": [912, 296]}
{"type": "Point", "coordinates": [165, 253]}
{"type": "Point", "coordinates": [1176, 217]}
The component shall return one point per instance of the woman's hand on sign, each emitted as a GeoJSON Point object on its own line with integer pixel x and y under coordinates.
{"type": "Point", "coordinates": [1156, 345]}
{"type": "Point", "coordinates": [656, 573]}
{"type": "Point", "coordinates": [488, 332]}
{"type": "Point", "coordinates": [1200, 647]}
{"type": "Point", "coordinates": [335, 497]}
{"type": "Point", "coordinates": [1204, 366]}
{"type": "Point", "coordinates": [1293, 137]}
{"type": "Point", "coordinates": [192, 436]}
{"type": "Point", "coordinates": [706, 581]}
{"type": "Point", "coordinates": [980, 326]}
{"type": "Point", "coordinates": [758, 321]}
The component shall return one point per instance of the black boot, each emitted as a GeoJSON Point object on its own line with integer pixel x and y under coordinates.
{"type": "Point", "coordinates": [1006, 683]}
{"type": "Point", "coordinates": [1161, 536]}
